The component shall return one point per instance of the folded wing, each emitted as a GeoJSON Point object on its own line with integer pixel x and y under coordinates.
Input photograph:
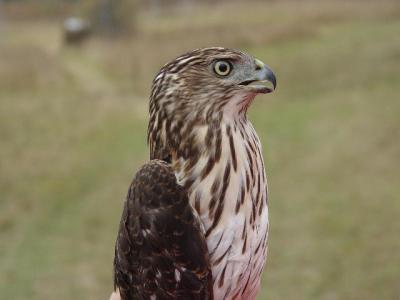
{"type": "Point", "coordinates": [160, 252]}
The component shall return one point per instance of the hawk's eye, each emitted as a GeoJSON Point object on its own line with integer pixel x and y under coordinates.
{"type": "Point", "coordinates": [222, 68]}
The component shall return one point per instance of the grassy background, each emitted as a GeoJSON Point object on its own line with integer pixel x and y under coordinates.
{"type": "Point", "coordinates": [73, 130]}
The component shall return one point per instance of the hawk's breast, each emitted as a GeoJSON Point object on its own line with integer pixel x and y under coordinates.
{"type": "Point", "coordinates": [231, 200]}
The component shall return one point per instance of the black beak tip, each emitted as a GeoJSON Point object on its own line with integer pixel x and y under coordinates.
{"type": "Point", "coordinates": [271, 77]}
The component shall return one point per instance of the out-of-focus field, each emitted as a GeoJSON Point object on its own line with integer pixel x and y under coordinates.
{"type": "Point", "coordinates": [73, 132]}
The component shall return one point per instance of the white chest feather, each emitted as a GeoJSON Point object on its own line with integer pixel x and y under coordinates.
{"type": "Point", "coordinates": [231, 201]}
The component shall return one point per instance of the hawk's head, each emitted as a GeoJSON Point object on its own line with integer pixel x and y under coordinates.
{"type": "Point", "coordinates": [203, 86]}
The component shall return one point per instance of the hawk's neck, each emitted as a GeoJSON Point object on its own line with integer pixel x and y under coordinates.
{"type": "Point", "coordinates": [219, 165]}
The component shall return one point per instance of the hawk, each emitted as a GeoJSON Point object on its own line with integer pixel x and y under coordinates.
{"type": "Point", "coordinates": [195, 220]}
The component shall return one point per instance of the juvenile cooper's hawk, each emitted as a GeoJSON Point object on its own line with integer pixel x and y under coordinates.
{"type": "Point", "coordinates": [195, 221]}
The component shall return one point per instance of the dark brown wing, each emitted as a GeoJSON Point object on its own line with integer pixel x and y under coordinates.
{"type": "Point", "coordinates": [160, 252]}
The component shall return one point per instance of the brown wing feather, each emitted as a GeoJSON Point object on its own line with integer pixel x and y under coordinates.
{"type": "Point", "coordinates": [160, 252]}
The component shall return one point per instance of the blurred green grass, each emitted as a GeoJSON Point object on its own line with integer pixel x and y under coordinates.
{"type": "Point", "coordinates": [73, 132]}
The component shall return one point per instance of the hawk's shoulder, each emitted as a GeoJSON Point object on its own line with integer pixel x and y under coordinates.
{"type": "Point", "coordinates": [160, 252]}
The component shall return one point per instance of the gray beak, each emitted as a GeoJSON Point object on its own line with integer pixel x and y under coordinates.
{"type": "Point", "coordinates": [269, 76]}
{"type": "Point", "coordinates": [264, 80]}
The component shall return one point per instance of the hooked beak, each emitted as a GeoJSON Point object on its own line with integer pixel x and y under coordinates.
{"type": "Point", "coordinates": [262, 81]}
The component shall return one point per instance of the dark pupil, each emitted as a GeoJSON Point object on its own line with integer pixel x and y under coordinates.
{"type": "Point", "coordinates": [223, 68]}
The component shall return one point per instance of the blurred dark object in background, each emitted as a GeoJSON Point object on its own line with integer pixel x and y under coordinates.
{"type": "Point", "coordinates": [76, 30]}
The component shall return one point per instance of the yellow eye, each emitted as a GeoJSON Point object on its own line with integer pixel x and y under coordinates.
{"type": "Point", "coordinates": [222, 68]}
